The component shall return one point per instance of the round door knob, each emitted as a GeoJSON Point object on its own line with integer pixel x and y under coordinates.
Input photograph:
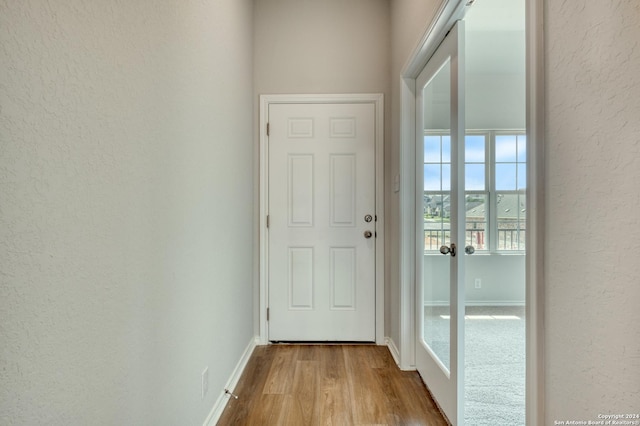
{"type": "Point", "coordinates": [368, 234]}
{"type": "Point", "coordinates": [469, 249]}
{"type": "Point", "coordinates": [448, 250]}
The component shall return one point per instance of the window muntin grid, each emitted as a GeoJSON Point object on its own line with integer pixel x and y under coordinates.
{"type": "Point", "coordinates": [489, 187]}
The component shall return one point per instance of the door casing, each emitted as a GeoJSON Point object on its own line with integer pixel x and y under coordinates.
{"type": "Point", "coordinates": [377, 99]}
{"type": "Point", "coordinates": [449, 12]}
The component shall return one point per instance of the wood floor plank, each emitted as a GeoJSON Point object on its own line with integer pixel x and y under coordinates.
{"type": "Point", "coordinates": [310, 352]}
{"type": "Point", "coordinates": [369, 404]}
{"type": "Point", "coordinates": [280, 378]}
{"type": "Point", "coordinates": [319, 385]}
{"type": "Point", "coordinates": [408, 399]}
{"type": "Point", "coordinates": [332, 362]}
{"type": "Point", "coordinates": [306, 391]}
{"type": "Point", "coordinates": [291, 412]}
{"type": "Point", "coordinates": [335, 402]}
{"type": "Point", "coordinates": [268, 412]}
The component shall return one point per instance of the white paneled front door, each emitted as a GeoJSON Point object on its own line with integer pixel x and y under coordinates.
{"type": "Point", "coordinates": [322, 222]}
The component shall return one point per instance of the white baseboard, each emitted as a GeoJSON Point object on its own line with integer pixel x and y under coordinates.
{"type": "Point", "coordinates": [395, 353]}
{"type": "Point", "coordinates": [223, 398]}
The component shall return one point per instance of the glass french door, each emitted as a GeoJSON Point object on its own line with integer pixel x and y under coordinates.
{"type": "Point", "coordinates": [440, 224]}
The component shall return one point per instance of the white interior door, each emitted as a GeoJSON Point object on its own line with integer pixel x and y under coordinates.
{"type": "Point", "coordinates": [322, 222]}
{"type": "Point", "coordinates": [440, 220]}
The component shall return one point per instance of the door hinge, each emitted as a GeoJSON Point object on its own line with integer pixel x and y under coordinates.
{"type": "Point", "coordinates": [267, 314]}
{"type": "Point", "coordinates": [267, 129]}
{"type": "Point", "coordinates": [267, 221]}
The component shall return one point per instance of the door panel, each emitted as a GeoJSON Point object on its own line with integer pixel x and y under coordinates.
{"type": "Point", "coordinates": [440, 214]}
{"type": "Point", "coordinates": [321, 188]}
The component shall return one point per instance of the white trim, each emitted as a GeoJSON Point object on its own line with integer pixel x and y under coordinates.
{"type": "Point", "coordinates": [377, 99]}
{"type": "Point", "coordinates": [393, 349]}
{"type": "Point", "coordinates": [407, 219]}
{"type": "Point", "coordinates": [433, 36]}
{"type": "Point", "coordinates": [263, 236]}
{"type": "Point", "coordinates": [535, 216]}
{"type": "Point", "coordinates": [449, 11]}
{"type": "Point", "coordinates": [446, 384]}
{"type": "Point", "coordinates": [223, 398]}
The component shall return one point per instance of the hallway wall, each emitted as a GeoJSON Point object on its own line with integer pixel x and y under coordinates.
{"type": "Point", "coordinates": [125, 221]}
{"type": "Point", "coordinates": [329, 46]}
{"type": "Point", "coordinates": [593, 199]}
{"type": "Point", "coordinates": [409, 20]}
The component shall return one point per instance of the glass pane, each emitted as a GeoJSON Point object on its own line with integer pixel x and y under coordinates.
{"type": "Point", "coordinates": [432, 149]}
{"type": "Point", "coordinates": [506, 177]}
{"type": "Point", "coordinates": [446, 177]}
{"type": "Point", "coordinates": [506, 148]}
{"type": "Point", "coordinates": [522, 148]}
{"type": "Point", "coordinates": [436, 221]}
{"type": "Point", "coordinates": [476, 228]}
{"type": "Point", "coordinates": [523, 204]}
{"type": "Point", "coordinates": [436, 316]}
{"type": "Point", "coordinates": [522, 221]}
{"type": "Point", "coordinates": [494, 347]}
{"type": "Point", "coordinates": [474, 148]}
{"type": "Point", "coordinates": [474, 177]}
{"type": "Point", "coordinates": [446, 149]}
{"type": "Point", "coordinates": [437, 212]}
{"type": "Point", "coordinates": [511, 214]}
{"type": "Point", "coordinates": [522, 176]}
{"type": "Point", "coordinates": [432, 178]}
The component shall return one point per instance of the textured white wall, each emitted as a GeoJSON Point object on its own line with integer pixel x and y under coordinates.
{"type": "Point", "coordinates": [125, 219]}
{"type": "Point", "coordinates": [593, 199]}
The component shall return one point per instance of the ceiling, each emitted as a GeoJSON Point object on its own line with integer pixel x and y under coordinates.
{"type": "Point", "coordinates": [495, 37]}
{"type": "Point", "coordinates": [496, 15]}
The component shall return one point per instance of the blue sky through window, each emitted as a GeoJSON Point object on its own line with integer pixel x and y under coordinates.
{"type": "Point", "coordinates": [474, 157]}
{"type": "Point", "coordinates": [437, 159]}
{"type": "Point", "coordinates": [511, 157]}
{"type": "Point", "coordinates": [510, 167]}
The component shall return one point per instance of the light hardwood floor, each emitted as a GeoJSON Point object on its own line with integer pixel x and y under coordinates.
{"type": "Point", "coordinates": [328, 385]}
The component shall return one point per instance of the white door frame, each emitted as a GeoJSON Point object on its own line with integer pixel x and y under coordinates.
{"type": "Point", "coordinates": [449, 12]}
{"type": "Point", "coordinates": [377, 100]}
{"type": "Point", "coordinates": [447, 388]}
